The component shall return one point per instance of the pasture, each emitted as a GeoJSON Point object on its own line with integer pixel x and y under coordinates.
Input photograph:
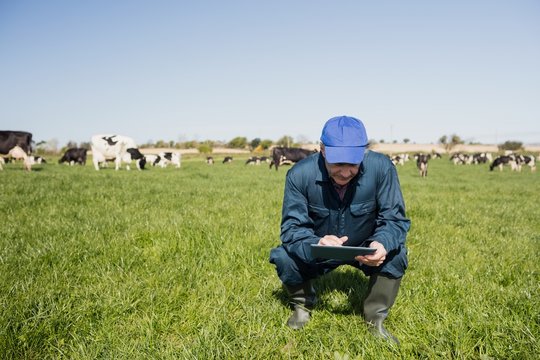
{"type": "Point", "coordinates": [173, 264]}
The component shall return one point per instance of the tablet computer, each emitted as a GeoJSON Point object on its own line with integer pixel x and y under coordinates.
{"type": "Point", "coordinates": [339, 252]}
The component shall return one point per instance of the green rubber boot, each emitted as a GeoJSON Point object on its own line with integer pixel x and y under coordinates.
{"type": "Point", "coordinates": [302, 299]}
{"type": "Point", "coordinates": [382, 292]}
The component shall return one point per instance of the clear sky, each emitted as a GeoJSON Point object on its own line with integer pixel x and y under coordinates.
{"type": "Point", "coordinates": [198, 70]}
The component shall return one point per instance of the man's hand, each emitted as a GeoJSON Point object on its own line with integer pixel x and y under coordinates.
{"type": "Point", "coordinates": [333, 240]}
{"type": "Point", "coordinates": [375, 259]}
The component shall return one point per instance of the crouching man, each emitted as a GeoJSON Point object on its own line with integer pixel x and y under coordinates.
{"type": "Point", "coordinates": [343, 195]}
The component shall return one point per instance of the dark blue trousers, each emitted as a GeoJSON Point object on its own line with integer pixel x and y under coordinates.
{"type": "Point", "coordinates": [293, 271]}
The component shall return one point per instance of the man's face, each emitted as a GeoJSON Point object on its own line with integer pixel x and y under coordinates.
{"type": "Point", "coordinates": [342, 173]}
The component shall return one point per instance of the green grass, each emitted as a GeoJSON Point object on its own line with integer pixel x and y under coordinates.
{"type": "Point", "coordinates": [173, 264]}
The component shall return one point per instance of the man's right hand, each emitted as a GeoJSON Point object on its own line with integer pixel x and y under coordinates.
{"type": "Point", "coordinates": [332, 240]}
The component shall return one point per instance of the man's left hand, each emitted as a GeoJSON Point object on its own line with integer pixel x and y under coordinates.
{"type": "Point", "coordinates": [375, 259]}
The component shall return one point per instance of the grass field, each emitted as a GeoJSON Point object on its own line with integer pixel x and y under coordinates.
{"type": "Point", "coordinates": [173, 264]}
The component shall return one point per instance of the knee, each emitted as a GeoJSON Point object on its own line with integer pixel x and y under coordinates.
{"type": "Point", "coordinates": [280, 258]}
{"type": "Point", "coordinates": [287, 269]}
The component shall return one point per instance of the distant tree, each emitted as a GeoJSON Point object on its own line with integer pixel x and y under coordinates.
{"type": "Point", "coordinates": [40, 147]}
{"type": "Point", "coordinates": [47, 147]}
{"type": "Point", "coordinates": [511, 145]}
{"type": "Point", "coordinates": [406, 140]}
{"type": "Point", "coordinates": [285, 141]}
{"type": "Point", "coordinates": [456, 140]}
{"type": "Point", "coordinates": [148, 144]}
{"type": "Point", "coordinates": [265, 144]}
{"type": "Point", "coordinates": [254, 143]}
{"type": "Point", "coordinates": [71, 144]}
{"type": "Point", "coordinates": [394, 141]}
{"type": "Point", "coordinates": [381, 141]}
{"type": "Point", "coordinates": [450, 143]}
{"type": "Point", "coordinates": [239, 142]}
{"type": "Point", "coordinates": [443, 139]}
{"type": "Point", "coordinates": [206, 147]}
{"type": "Point", "coordinates": [192, 144]}
{"type": "Point", "coordinates": [85, 145]}
{"type": "Point", "coordinates": [162, 144]}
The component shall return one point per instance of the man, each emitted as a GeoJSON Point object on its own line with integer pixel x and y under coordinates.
{"type": "Point", "coordinates": [343, 195]}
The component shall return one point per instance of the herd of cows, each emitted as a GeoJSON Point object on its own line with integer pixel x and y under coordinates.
{"type": "Point", "coordinates": [512, 160]}
{"type": "Point", "coordinates": [105, 148]}
{"type": "Point", "coordinates": [122, 149]}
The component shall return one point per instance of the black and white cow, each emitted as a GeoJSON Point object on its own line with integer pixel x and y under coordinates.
{"type": "Point", "coordinates": [399, 159]}
{"type": "Point", "coordinates": [16, 144]}
{"type": "Point", "coordinates": [460, 158]}
{"type": "Point", "coordinates": [227, 160]}
{"type": "Point", "coordinates": [280, 154]}
{"type": "Point", "coordinates": [527, 160]}
{"type": "Point", "coordinates": [164, 158]}
{"type": "Point", "coordinates": [481, 158]}
{"type": "Point", "coordinates": [210, 160]}
{"type": "Point", "coordinates": [174, 158]}
{"type": "Point", "coordinates": [504, 160]}
{"type": "Point", "coordinates": [117, 147]}
{"type": "Point", "coordinates": [37, 160]}
{"type": "Point", "coordinates": [152, 159]}
{"type": "Point", "coordinates": [422, 163]}
{"type": "Point", "coordinates": [254, 160]}
{"type": "Point", "coordinates": [74, 156]}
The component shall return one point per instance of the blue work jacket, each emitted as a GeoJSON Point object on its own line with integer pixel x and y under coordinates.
{"type": "Point", "coordinates": [372, 210]}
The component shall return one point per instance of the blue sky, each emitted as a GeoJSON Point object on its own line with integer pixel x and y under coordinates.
{"type": "Point", "coordinates": [198, 70]}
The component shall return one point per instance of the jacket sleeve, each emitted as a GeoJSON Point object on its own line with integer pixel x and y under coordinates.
{"type": "Point", "coordinates": [297, 232]}
{"type": "Point", "coordinates": [391, 224]}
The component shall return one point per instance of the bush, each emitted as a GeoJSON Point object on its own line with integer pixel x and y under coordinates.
{"type": "Point", "coordinates": [511, 145]}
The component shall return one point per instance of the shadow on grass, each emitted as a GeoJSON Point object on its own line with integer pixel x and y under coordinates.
{"type": "Point", "coordinates": [351, 282]}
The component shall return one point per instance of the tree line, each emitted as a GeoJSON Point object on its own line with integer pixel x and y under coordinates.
{"type": "Point", "coordinates": [254, 145]}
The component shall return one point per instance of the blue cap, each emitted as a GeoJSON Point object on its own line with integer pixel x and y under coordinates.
{"type": "Point", "coordinates": [345, 140]}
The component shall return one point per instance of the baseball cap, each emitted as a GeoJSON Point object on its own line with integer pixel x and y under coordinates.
{"type": "Point", "coordinates": [345, 140]}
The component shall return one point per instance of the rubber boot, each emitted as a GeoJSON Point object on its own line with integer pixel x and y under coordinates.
{"type": "Point", "coordinates": [381, 295]}
{"type": "Point", "coordinates": [302, 299]}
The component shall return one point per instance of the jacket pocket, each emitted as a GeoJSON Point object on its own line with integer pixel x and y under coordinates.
{"type": "Point", "coordinates": [364, 208]}
{"type": "Point", "coordinates": [321, 219]}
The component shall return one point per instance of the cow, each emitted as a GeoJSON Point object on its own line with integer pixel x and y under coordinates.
{"type": "Point", "coordinates": [399, 159]}
{"type": "Point", "coordinates": [164, 158]}
{"type": "Point", "coordinates": [526, 160]}
{"type": "Point", "coordinates": [167, 158]}
{"type": "Point", "coordinates": [422, 163]}
{"type": "Point", "coordinates": [481, 158]}
{"type": "Point", "coordinates": [16, 144]}
{"type": "Point", "coordinates": [74, 156]}
{"type": "Point", "coordinates": [283, 161]}
{"type": "Point", "coordinates": [152, 159]}
{"type": "Point", "coordinates": [254, 160]}
{"type": "Point", "coordinates": [461, 159]}
{"type": "Point", "coordinates": [210, 160]}
{"type": "Point", "coordinates": [18, 153]}
{"type": "Point", "coordinates": [37, 160]}
{"type": "Point", "coordinates": [117, 147]}
{"type": "Point", "coordinates": [504, 160]}
{"type": "Point", "coordinates": [227, 160]}
{"type": "Point", "coordinates": [280, 154]}
{"type": "Point", "coordinates": [10, 139]}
